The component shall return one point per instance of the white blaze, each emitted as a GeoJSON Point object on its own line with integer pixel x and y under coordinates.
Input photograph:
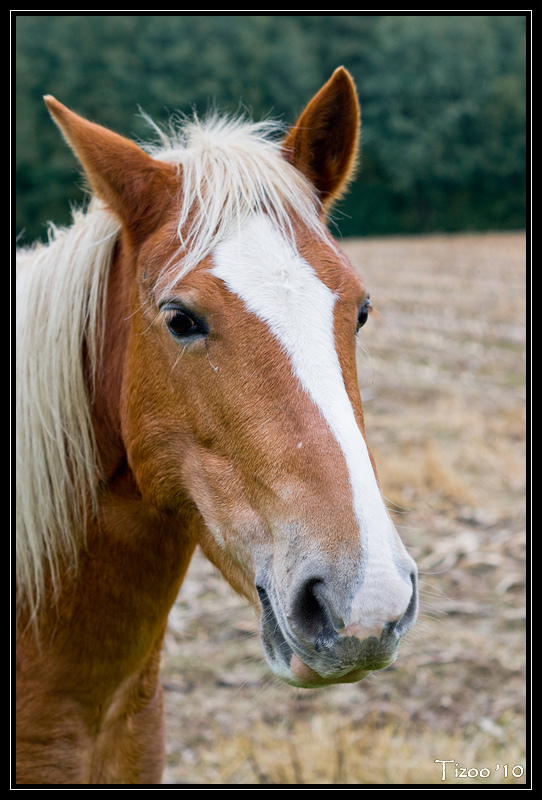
{"type": "Point", "coordinates": [282, 289]}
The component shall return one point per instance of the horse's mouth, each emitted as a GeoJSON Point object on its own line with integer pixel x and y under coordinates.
{"type": "Point", "coordinates": [342, 659]}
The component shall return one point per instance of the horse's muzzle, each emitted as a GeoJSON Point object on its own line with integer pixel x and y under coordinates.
{"type": "Point", "coordinates": [311, 645]}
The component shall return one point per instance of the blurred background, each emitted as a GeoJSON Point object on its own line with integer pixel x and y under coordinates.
{"type": "Point", "coordinates": [443, 103]}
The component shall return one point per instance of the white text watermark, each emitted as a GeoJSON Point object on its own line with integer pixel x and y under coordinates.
{"type": "Point", "coordinates": [457, 771]}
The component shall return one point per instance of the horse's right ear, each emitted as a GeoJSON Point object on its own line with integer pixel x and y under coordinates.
{"type": "Point", "coordinates": [323, 144]}
{"type": "Point", "coordinates": [119, 172]}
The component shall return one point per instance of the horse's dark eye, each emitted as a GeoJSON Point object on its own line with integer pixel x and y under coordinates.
{"type": "Point", "coordinates": [180, 324]}
{"type": "Point", "coordinates": [363, 315]}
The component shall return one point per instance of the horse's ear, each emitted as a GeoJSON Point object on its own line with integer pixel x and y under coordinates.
{"type": "Point", "coordinates": [323, 144]}
{"type": "Point", "coordinates": [119, 172]}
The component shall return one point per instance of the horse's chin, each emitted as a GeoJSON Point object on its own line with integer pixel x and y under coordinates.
{"type": "Point", "coordinates": [307, 678]}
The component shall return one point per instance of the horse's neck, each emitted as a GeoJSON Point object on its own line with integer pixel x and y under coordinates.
{"type": "Point", "coordinates": [97, 658]}
{"type": "Point", "coordinates": [131, 573]}
{"type": "Point", "coordinates": [94, 674]}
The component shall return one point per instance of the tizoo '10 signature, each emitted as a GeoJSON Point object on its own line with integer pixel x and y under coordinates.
{"type": "Point", "coordinates": [473, 772]}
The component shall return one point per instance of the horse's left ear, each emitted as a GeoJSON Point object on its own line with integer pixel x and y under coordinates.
{"type": "Point", "coordinates": [323, 144]}
{"type": "Point", "coordinates": [119, 172]}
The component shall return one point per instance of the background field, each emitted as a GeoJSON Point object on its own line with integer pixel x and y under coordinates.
{"type": "Point", "coordinates": [442, 375]}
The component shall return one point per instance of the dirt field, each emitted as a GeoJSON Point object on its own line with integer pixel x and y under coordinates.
{"type": "Point", "coordinates": [442, 375]}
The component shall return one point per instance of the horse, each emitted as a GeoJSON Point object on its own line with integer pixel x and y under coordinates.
{"type": "Point", "coordinates": [186, 376]}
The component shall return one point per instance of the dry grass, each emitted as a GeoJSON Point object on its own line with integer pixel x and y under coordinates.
{"type": "Point", "coordinates": [442, 373]}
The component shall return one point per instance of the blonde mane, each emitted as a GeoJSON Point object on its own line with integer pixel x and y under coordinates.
{"type": "Point", "coordinates": [60, 297]}
{"type": "Point", "coordinates": [229, 168]}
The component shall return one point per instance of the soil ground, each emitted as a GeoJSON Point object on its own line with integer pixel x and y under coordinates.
{"type": "Point", "coordinates": [442, 375]}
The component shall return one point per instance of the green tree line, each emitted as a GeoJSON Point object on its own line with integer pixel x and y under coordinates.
{"type": "Point", "coordinates": [443, 103]}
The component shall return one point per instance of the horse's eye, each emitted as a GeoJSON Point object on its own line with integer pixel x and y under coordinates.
{"type": "Point", "coordinates": [363, 315]}
{"type": "Point", "coordinates": [181, 324]}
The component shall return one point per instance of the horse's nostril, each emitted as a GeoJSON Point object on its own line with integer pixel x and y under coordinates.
{"type": "Point", "coordinates": [409, 617]}
{"type": "Point", "coordinates": [310, 617]}
{"type": "Point", "coordinates": [264, 600]}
